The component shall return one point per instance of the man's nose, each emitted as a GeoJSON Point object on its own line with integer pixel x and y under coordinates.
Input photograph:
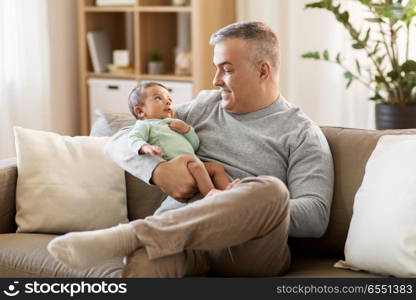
{"type": "Point", "coordinates": [217, 81]}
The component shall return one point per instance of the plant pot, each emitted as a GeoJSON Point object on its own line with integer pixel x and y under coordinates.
{"type": "Point", "coordinates": [156, 67]}
{"type": "Point", "coordinates": [395, 117]}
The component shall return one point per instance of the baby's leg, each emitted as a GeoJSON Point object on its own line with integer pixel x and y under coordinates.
{"type": "Point", "coordinates": [217, 173]}
{"type": "Point", "coordinates": [201, 176]}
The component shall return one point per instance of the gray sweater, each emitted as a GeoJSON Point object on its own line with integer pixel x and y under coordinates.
{"type": "Point", "coordinates": [279, 140]}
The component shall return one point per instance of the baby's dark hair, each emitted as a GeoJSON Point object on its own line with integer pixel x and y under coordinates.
{"type": "Point", "coordinates": [138, 94]}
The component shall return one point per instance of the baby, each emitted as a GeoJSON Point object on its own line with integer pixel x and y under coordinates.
{"type": "Point", "coordinates": [156, 132]}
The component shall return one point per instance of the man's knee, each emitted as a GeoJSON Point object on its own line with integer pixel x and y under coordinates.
{"type": "Point", "coordinates": [267, 188]}
{"type": "Point", "coordinates": [276, 187]}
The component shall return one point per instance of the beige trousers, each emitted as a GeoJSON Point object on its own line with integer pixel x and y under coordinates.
{"type": "Point", "coordinates": [239, 232]}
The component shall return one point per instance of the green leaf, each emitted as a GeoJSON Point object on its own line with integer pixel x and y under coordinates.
{"type": "Point", "coordinates": [375, 50]}
{"type": "Point", "coordinates": [344, 17]}
{"type": "Point", "coordinates": [313, 55]}
{"type": "Point", "coordinates": [380, 59]}
{"type": "Point", "coordinates": [375, 20]}
{"type": "Point", "coordinates": [367, 35]}
{"type": "Point", "coordinates": [358, 66]}
{"type": "Point", "coordinates": [348, 75]}
{"type": "Point", "coordinates": [338, 58]}
{"type": "Point", "coordinates": [409, 11]}
{"type": "Point", "coordinates": [376, 97]}
{"type": "Point", "coordinates": [320, 4]}
{"type": "Point", "coordinates": [325, 54]}
{"type": "Point", "coordinates": [358, 46]}
{"type": "Point", "coordinates": [378, 79]}
{"type": "Point", "coordinates": [409, 66]}
{"type": "Point", "coordinates": [393, 74]}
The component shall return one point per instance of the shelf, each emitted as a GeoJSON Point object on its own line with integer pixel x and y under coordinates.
{"type": "Point", "coordinates": [100, 9]}
{"type": "Point", "coordinates": [111, 75]}
{"type": "Point", "coordinates": [155, 9]}
{"type": "Point", "coordinates": [164, 77]}
{"type": "Point", "coordinates": [142, 28]}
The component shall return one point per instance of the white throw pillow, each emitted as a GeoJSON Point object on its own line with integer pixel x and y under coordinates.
{"type": "Point", "coordinates": [382, 234]}
{"type": "Point", "coordinates": [66, 184]}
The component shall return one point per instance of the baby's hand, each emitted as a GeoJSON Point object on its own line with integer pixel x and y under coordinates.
{"type": "Point", "coordinates": [151, 150]}
{"type": "Point", "coordinates": [179, 126]}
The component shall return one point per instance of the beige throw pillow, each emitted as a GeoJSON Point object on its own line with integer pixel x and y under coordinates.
{"type": "Point", "coordinates": [66, 183]}
{"type": "Point", "coordinates": [382, 234]}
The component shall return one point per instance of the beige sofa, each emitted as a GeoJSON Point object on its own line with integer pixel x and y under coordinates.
{"type": "Point", "coordinates": [25, 254]}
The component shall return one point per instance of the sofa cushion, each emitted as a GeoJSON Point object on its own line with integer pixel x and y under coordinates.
{"type": "Point", "coordinates": [25, 255]}
{"type": "Point", "coordinates": [8, 178]}
{"type": "Point", "coordinates": [108, 124]}
{"type": "Point", "coordinates": [66, 183]}
{"type": "Point", "coordinates": [320, 267]}
{"type": "Point", "coordinates": [142, 199]}
{"type": "Point", "coordinates": [350, 149]}
{"type": "Point", "coordinates": [382, 234]}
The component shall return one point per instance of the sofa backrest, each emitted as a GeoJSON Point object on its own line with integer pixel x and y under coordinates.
{"type": "Point", "coordinates": [350, 149]}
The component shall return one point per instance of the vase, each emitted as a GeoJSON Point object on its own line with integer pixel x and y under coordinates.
{"type": "Point", "coordinates": [178, 2]}
{"type": "Point", "coordinates": [156, 67]}
{"type": "Point", "coordinates": [395, 117]}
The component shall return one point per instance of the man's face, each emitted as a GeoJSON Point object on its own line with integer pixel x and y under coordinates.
{"type": "Point", "coordinates": [236, 76]}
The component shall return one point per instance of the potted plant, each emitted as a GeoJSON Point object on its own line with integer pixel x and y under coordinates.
{"type": "Point", "coordinates": [388, 74]}
{"type": "Point", "coordinates": [156, 65]}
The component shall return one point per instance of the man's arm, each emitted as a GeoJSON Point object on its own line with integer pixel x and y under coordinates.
{"type": "Point", "coordinates": [141, 166]}
{"type": "Point", "coordinates": [310, 178]}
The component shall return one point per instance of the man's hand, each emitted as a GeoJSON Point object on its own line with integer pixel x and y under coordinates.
{"type": "Point", "coordinates": [179, 126]}
{"type": "Point", "coordinates": [151, 150]}
{"type": "Point", "coordinates": [174, 179]}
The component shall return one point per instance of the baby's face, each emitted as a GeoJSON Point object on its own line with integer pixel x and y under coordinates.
{"type": "Point", "coordinates": [157, 104]}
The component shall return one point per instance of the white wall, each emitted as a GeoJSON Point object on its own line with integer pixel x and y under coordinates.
{"type": "Point", "coordinates": [62, 19]}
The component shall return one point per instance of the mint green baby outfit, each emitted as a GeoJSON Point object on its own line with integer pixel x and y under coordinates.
{"type": "Point", "coordinates": [157, 132]}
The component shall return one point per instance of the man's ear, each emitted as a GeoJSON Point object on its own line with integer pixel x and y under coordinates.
{"type": "Point", "coordinates": [139, 112]}
{"type": "Point", "coordinates": [264, 69]}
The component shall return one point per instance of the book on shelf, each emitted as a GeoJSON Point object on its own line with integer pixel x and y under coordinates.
{"type": "Point", "coordinates": [100, 50]}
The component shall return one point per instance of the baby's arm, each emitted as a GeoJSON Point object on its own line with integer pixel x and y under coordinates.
{"type": "Point", "coordinates": [151, 150]}
{"type": "Point", "coordinates": [187, 131]}
{"type": "Point", "coordinates": [138, 137]}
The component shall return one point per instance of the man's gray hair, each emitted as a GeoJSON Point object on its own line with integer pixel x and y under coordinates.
{"type": "Point", "coordinates": [263, 41]}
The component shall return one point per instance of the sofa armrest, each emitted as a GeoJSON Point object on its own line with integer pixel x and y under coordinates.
{"type": "Point", "coordinates": [8, 179]}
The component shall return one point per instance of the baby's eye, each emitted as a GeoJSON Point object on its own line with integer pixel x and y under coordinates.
{"type": "Point", "coordinates": [158, 98]}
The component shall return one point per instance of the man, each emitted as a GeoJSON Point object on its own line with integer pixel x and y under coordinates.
{"type": "Point", "coordinates": [258, 137]}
